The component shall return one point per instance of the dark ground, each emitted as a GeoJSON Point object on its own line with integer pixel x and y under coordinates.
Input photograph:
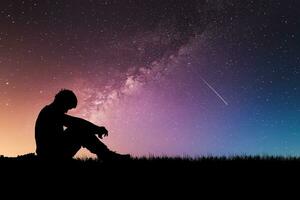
{"type": "Point", "coordinates": [154, 175]}
{"type": "Point", "coordinates": [180, 166]}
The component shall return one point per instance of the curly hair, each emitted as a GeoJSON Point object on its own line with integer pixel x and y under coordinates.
{"type": "Point", "coordinates": [66, 97]}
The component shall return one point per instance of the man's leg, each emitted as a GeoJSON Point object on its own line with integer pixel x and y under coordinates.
{"type": "Point", "coordinates": [80, 138]}
{"type": "Point", "coordinates": [70, 145]}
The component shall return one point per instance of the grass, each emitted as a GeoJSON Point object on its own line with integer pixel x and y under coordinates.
{"type": "Point", "coordinates": [236, 161]}
{"type": "Point", "coordinates": [163, 170]}
{"type": "Point", "coordinates": [151, 176]}
{"type": "Point", "coordinates": [175, 159]}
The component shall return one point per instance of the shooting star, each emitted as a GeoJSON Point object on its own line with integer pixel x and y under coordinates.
{"type": "Point", "coordinates": [208, 85]}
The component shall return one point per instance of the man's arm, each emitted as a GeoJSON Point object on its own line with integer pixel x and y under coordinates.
{"type": "Point", "coordinates": [76, 122]}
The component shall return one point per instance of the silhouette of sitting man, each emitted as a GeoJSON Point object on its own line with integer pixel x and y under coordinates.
{"type": "Point", "coordinates": [53, 141]}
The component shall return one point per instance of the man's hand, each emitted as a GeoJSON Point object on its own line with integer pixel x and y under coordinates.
{"type": "Point", "coordinates": [101, 131]}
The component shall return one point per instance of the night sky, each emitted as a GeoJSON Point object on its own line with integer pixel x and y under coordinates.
{"type": "Point", "coordinates": [165, 77]}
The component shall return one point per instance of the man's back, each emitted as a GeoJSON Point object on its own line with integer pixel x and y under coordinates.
{"type": "Point", "coordinates": [48, 131]}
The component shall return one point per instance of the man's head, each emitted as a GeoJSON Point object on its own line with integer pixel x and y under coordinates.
{"type": "Point", "coordinates": [65, 100]}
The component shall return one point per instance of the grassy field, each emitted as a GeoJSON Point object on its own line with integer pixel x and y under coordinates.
{"type": "Point", "coordinates": [237, 159]}
{"type": "Point", "coordinates": [155, 172]}
{"type": "Point", "coordinates": [223, 162]}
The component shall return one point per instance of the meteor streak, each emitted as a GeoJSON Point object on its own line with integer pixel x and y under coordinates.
{"type": "Point", "coordinates": [208, 85]}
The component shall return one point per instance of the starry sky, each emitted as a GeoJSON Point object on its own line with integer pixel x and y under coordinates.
{"type": "Point", "coordinates": [173, 77]}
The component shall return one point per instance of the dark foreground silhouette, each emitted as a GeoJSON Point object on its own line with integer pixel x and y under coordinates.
{"type": "Point", "coordinates": [60, 136]}
{"type": "Point", "coordinates": [152, 175]}
{"type": "Point", "coordinates": [159, 163]}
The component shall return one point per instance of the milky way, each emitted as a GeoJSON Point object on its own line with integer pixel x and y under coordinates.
{"type": "Point", "coordinates": [165, 77]}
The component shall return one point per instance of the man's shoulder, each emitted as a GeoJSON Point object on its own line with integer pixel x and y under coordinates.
{"type": "Point", "coordinates": [47, 110]}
